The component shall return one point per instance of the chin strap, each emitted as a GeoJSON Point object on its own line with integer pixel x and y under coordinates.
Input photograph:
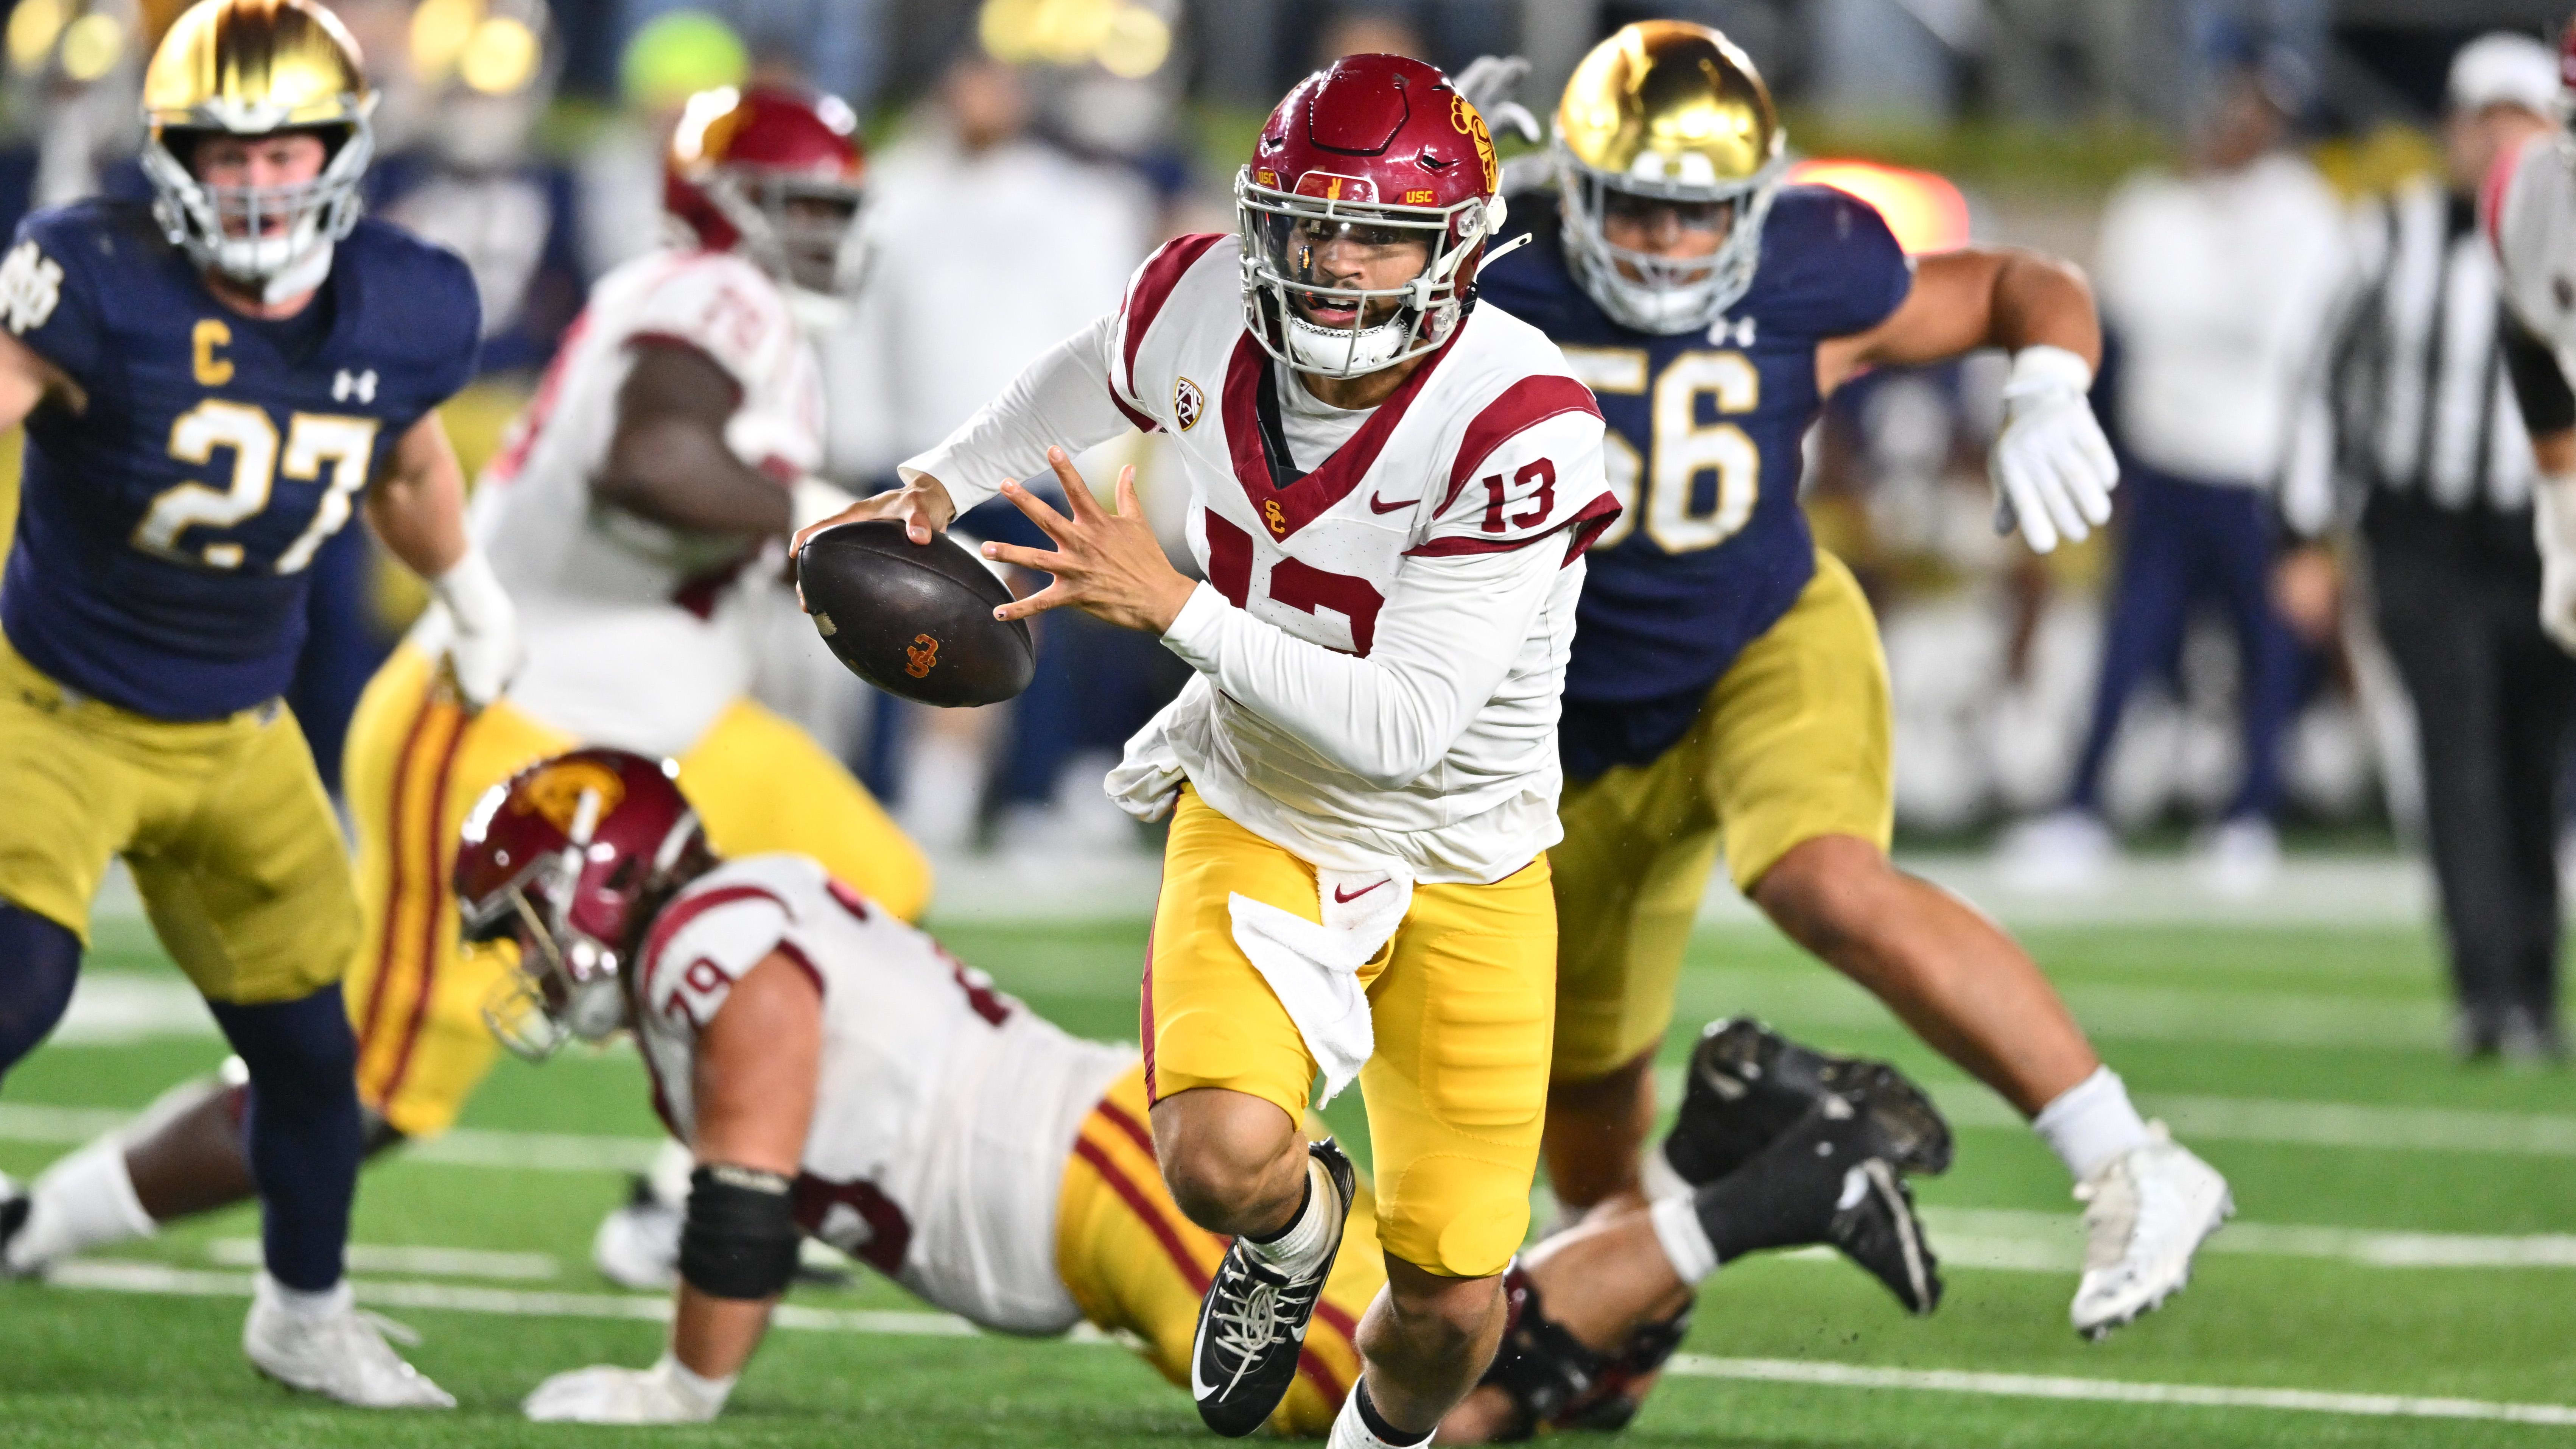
{"type": "Point", "coordinates": [299, 276]}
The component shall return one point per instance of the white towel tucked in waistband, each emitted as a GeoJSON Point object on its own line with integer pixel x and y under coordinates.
{"type": "Point", "coordinates": [1314, 969]}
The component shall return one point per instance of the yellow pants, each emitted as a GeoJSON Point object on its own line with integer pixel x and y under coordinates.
{"type": "Point", "coordinates": [416, 764]}
{"type": "Point", "coordinates": [1460, 997]}
{"type": "Point", "coordinates": [227, 829]}
{"type": "Point", "coordinates": [1135, 1265]}
{"type": "Point", "coordinates": [1793, 743]}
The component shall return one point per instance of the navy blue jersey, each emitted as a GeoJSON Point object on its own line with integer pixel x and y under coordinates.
{"type": "Point", "coordinates": [166, 527]}
{"type": "Point", "coordinates": [1705, 431]}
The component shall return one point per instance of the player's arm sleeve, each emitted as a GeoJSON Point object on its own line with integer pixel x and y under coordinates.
{"type": "Point", "coordinates": [1444, 644]}
{"type": "Point", "coordinates": [742, 326]}
{"type": "Point", "coordinates": [46, 299]}
{"type": "Point", "coordinates": [706, 942]}
{"type": "Point", "coordinates": [1060, 400]}
{"type": "Point", "coordinates": [1539, 480]}
{"type": "Point", "coordinates": [2539, 384]}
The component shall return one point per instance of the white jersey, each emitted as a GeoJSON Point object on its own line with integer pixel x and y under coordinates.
{"type": "Point", "coordinates": [2529, 208]}
{"type": "Point", "coordinates": [1381, 640]}
{"type": "Point", "coordinates": [947, 1111]}
{"type": "Point", "coordinates": [636, 632]}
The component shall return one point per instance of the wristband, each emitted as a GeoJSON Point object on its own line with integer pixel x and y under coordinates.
{"type": "Point", "coordinates": [704, 1395]}
{"type": "Point", "coordinates": [473, 593]}
{"type": "Point", "coordinates": [2042, 368]}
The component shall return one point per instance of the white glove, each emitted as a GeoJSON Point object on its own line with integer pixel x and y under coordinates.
{"type": "Point", "coordinates": [2553, 527]}
{"type": "Point", "coordinates": [483, 648]}
{"type": "Point", "coordinates": [666, 1393]}
{"type": "Point", "coordinates": [1487, 84]}
{"type": "Point", "coordinates": [810, 500]}
{"type": "Point", "coordinates": [2052, 468]}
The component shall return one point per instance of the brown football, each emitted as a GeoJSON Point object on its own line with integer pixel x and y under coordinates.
{"type": "Point", "coordinates": [915, 620]}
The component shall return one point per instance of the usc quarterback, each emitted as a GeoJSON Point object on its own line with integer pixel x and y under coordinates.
{"type": "Point", "coordinates": [836, 1074]}
{"type": "Point", "coordinates": [635, 516]}
{"type": "Point", "coordinates": [1727, 697]}
{"type": "Point", "coordinates": [212, 385]}
{"type": "Point", "coordinates": [1391, 493]}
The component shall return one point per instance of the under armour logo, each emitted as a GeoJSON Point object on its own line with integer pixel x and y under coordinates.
{"type": "Point", "coordinates": [345, 384]}
{"type": "Point", "coordinates": [31, 285]}
{"type": "Point", "coordinates": [1731, 332]}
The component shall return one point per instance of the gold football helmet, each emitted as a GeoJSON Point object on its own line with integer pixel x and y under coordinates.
{"type": "Point", "coordinates": [252, 68]}
{"type": "Point", "coordinates": [1666, 114]}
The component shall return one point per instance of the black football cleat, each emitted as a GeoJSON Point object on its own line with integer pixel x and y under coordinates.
{"type": "Point", "coordinates": [1747, 1085]}
{"type": "Point", "coordinates": [1824, 1181]}
{"type": "Point", "coordinates": [1252, 1323]}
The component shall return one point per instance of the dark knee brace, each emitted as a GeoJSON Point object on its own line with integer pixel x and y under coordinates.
{"type": "Point", "coordinates": [301, 1130]}
{"type": "Point", "coordinates": [39, 961]}
{"type": "Point", "coordinates": [1555, 1382]}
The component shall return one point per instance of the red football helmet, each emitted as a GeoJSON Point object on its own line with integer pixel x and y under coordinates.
{"type": "Point", "coordinates": [773, 174]}
{"type": "Point", "coordinates": [1378, 149]}
{"type": "Point", "coordinates": [562, 859]}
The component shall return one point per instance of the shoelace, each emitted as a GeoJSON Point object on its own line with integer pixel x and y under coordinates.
{"type": "Point", "coordinates": [1246, 1325]}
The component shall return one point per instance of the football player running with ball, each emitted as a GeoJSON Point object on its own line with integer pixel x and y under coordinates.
{"type": "Point", "coordinates": [211, 386]}
{"type": "Point", "coordinates": [637, 509]}
{"type": "Point", "coordinates": [836, 1074]}
{"type": "Point", "coordinates": [1391, 492]}
{"type": "Point", "coordinates": [1727, 697]}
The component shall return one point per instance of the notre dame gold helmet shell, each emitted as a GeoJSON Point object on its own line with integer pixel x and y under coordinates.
{"type": "Point", "coordinates": [1665, 111]}
{"type": "Point", "coordinates": [255, 68]}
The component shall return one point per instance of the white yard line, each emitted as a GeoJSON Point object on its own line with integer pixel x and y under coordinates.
{"type": "Point", "coordinates": [2013, 1241]}
{"type": "Point", "coordinates": [390, 1258]}
{"type": "Point", "coordinates": [2112, 1391]}
{"type": "Point", "coordinates": [463, 1147]}
{"type": "Point", "coordinates": [152, 1278]}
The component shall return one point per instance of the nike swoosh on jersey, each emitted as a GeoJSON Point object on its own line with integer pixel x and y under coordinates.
{"type": "Point", "coordinates": [1341, 899]}
{"type": "Point", "coordinates": [1376, 506]}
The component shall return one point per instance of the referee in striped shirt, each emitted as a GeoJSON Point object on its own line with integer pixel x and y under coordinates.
{"type": "Point", "coordinates": [2434, 393]}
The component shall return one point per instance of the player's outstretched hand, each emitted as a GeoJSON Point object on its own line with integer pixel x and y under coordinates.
{"type": "Point", "coordinates": [1489, 83]}
{"type": "Point", "coordinates": [1107, 564]}
{"type": "Point", "coordinates": [2052, 469]}
{"type": "Point", "coordinates": [611, 1395]}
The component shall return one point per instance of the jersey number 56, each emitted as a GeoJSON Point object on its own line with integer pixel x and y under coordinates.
{"type": "Point", "coordinates": [1659, 491]}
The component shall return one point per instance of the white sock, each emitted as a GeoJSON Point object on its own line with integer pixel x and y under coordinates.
{"type": "Point", "coordinates": [1350, 1431]}
{"type": "Point", "coordinates": [306, 1307]}
{"type": "Point", "coordinates": [1685, 1242]}
{"type": "Point", "coordinates": [1657, 1176]}
{"type": "Point", "coordinates": [1300, 1250]}
{"type": "Point", "coordinates": [2091, 1123]}
{"type": "Point", "coordinates": [82, 1202]}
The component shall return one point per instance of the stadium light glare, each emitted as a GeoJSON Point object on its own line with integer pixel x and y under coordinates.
{"type": "Point", "coordinates": [1923, 208]}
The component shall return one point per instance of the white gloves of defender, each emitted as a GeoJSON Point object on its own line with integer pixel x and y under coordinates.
{"type": "Point", "coordinates": [2052, 468]}
{"type": "Point", "coordinates": [483, 644]}
{"type": "Point", "coordinates": [666, 1393]}
{"type": "Point", "coordinates": [2553, 527]}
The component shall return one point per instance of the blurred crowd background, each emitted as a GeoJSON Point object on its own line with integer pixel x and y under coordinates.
{"type": "Point", "coordinates": [2234, 173]}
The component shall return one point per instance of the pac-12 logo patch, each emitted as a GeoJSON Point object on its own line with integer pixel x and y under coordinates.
{"type": "Point", "coordinates": [1189, 404]}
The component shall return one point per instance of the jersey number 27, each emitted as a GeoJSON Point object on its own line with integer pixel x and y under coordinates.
{"type": "Point", "coordinates": [314, 442]}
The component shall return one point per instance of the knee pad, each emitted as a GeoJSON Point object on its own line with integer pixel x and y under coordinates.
{"type": "Point", "coordinates": [42, 957]}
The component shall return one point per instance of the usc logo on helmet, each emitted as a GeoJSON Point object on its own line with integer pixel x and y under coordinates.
{"type": "Point", "coordinates": [1472, 125]}
{"type": "Point", "coordinates": [921, 657]}
{"type": "Point", "coordinates": [555, 792]}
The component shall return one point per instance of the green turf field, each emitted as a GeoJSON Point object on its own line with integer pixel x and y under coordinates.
{"type": "Point", "coordinates": [2406, 1232]}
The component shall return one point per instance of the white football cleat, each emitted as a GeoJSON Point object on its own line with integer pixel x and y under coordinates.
{"type": "Point", "coordinates": [638, 1245]}
{"type": "Point", "coordinates": [338, 1352]}
{"type": "Point", "coordinates": [2146, 1212]}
